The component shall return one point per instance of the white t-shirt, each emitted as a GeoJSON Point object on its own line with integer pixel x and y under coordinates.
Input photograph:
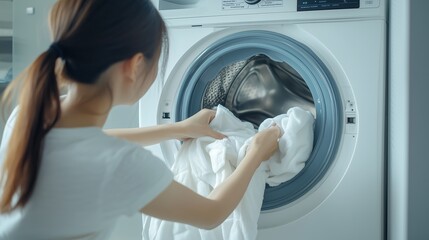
{"type": "Point", "coordinates": [87, 179]}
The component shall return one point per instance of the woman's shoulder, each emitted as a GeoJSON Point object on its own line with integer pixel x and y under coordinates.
{"type": "Point", "coordinates": [93, 140]}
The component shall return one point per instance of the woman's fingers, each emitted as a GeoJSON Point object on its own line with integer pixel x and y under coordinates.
{"type": "Point", "coordinates": [265, 142]}
{"type": "Point", "coordinates": [212, 115]}
{"type": "Point", "coordinates": [277, 130]}
{"type": "Point", "coordinates": [214, 134]}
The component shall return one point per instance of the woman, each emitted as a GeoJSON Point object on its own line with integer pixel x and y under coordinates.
{"type": "Point", "coordinates": [62, 177]}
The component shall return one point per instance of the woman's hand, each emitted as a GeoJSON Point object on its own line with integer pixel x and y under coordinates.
{"type": "Point", "coordinates": [198, 126]}
{"type": "Point", "coordinates": [265, 143]}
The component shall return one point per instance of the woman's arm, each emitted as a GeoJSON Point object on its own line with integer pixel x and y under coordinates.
{"type": "Point", "coordinates": [193, 127]}
{"type": "Point", "coordinates": [180, 204]}
{"type": "Point", "coordinates": [148, 135]}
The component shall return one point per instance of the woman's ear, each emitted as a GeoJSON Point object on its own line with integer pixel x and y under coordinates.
{"type": "Point", "coordinates": [131, 67]}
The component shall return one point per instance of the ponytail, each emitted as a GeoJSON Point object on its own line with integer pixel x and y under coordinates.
{"type": "Point", "coordinates": [39, 110]}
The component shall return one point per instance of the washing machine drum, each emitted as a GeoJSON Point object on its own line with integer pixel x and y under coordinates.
{"type": "Point", "coordinates": [261, 74]}
{"type": "Point", "coordinates": [257, 89]}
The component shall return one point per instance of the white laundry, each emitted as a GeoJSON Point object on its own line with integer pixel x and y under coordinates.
{"type": "Point", "coordinates": [294, 147]}
{"type": "Point", "coordinates": [204, 163]}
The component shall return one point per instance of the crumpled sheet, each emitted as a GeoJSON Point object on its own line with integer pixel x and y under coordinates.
{"type": "Point", "coordinates": [203, 163]}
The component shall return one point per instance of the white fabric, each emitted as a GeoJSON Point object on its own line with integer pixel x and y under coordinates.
{"type": "Point", "coordinates": [295, 145]}
{"type": "Point", "coordinates": [86, 181]}
{"type": "Point", "coordinates": [204, 163]}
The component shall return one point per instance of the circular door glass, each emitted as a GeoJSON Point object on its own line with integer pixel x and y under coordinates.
{"type": "Point", "coordinates": [260, 74]}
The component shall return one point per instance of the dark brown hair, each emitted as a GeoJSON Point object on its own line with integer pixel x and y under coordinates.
{"type": "Point", "coordinates": [89, 36]}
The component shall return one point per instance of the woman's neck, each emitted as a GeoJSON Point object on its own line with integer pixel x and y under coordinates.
{"type": "Point", "coordinates": [85, 106]}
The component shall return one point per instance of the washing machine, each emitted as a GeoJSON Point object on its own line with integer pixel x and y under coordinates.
{"type": "Point", "coordinates": [261, 57]}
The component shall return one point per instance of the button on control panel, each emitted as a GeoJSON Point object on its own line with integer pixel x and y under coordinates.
{"type": "Point", "coordinates": [351, 120]}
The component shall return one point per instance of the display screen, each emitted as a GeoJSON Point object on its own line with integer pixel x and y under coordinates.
{"type": "Point", "coordinates": [310, 5]}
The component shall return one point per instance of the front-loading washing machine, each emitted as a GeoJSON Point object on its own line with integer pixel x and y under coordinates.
{"type": "Point", "coordinates": [260, 58]}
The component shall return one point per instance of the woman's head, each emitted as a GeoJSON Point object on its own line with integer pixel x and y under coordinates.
{"type": "Point", "coordinates": [115, 44]}
{"type": "Point", "coordinates": [94, 35]}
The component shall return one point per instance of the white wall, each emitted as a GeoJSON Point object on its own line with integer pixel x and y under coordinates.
{"type": "Point", "coordinates": [418, 177]}
{"type": "Point", "coordinates": [408, 113]}
{"type": "Point", "coordinates": [5, 14]}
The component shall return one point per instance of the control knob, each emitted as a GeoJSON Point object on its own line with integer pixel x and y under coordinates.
{"type": "Point", "coordinates": [251, 2]}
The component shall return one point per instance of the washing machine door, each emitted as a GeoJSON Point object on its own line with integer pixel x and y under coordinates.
{"type": "Point", "coordinates": [259, 74]}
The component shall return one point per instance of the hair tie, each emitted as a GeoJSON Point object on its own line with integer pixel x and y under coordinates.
{"type": "Point", "coordinates": [57, 49]}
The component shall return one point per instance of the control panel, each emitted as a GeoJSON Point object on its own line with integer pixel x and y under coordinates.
{"type": "Point", "coordinates": [250, 4]}
{"type": "Point", "coordinates": [309, 5]}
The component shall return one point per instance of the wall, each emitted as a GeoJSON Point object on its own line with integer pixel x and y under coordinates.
{"type": "Point", "coordinates": [408, 131]}
{"type": "Point", "coordinates": [418, 166]}
{"type": "Point", "coordinates": [5, 14]}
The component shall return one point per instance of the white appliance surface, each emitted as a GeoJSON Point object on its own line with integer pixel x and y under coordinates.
{"type": "Point", "coordinates": [348, 202]}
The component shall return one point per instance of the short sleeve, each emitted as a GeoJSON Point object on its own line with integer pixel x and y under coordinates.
{"type": "Point", "coordinates": [133, 178]}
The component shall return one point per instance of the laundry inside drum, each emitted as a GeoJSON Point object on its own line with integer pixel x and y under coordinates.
{"type": "Point", "coordinates": [258, 88]}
